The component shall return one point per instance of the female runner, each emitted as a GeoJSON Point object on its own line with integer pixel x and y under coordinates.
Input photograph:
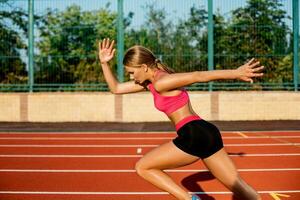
{"type": "Point", "coordinates": [197, 138]}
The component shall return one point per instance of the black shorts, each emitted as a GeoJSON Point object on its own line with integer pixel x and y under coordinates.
{"type": "Point", "coordinates": [199, 138]}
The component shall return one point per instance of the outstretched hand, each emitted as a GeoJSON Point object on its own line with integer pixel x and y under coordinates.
{"type": "Point", "coordinates": [250, 70]}
{"type": "Point", "coordinates": [106, 50]}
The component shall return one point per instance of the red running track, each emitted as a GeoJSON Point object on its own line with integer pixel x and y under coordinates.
{"type": "Point", "coordinates": [101, 166]}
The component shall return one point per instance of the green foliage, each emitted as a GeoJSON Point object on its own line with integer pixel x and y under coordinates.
{"type": "Point", "coordinates": [68, 44]}
{"type": "Point", "coordinates": [285, 69]}
{"type": "Point", "coordinates": [258, 30]}
{"type": "Point", "coordinates": [176, 44]}
{"type": "Point", "coordinates": [67, 41]}
{"type": "Point", "coordinates": [13, 24]}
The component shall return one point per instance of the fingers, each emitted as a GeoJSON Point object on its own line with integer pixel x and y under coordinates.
{"type": "Point", "coordinates": [257, 75]}
{"type": "Point", "coordinates": [253, 65]}
{"type": "Point", "coordinates": [254, 75]}
{"type": "Point", "coordinates": [251, 61]}
{"type": "Point", "coordinates": [254, 72]}
{"type": "Point", "coordinates": [111, 45]}
{"type": "Point", "coordinates": [106, 44]}
{"type": "Point", "coordinates": [257, 69]}
{"type": "Point", "coordinates": [102, 43]}
{"type": "Point", "coordinates": [113, 52]}
{"type": "Point", "coordinates": [247, 79]}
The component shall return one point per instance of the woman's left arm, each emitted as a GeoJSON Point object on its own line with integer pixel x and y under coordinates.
{"type": "Point", "coordinates": [245, 73]}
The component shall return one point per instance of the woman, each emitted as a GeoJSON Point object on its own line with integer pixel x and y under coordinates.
{"type": "Point", "coordinates": [197, 139]}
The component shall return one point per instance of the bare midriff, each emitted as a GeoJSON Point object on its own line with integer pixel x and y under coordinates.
{"type": "Point", "coordinates": [182, 113]}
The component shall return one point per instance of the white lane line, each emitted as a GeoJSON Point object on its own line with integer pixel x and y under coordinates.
{"type": "Point", "coordinates": [74, 132]}
{"type": "Point", "coordinates": [92, 133]}
{"type": "Point", "coordinates": [70, 156]}
{"type": "Point", "coordinates": [130, 156]}
{"type": "Point", "coordinates": [133, 193]}
{"type": "Point", "coordinates": [262, 144]}
{"type": "Point", "coordinates": [137, 138]}
{"type": "Point", "coordinates": [86, 138]}
{"type": "Point", "coordinates": [133, 171]}
{"type": "Point", "coordinates": [279, 136]}
{"type": "Point", "coordinates": [242, 134]}
{"type": "Point", "coordinates": [268, 154]}
{"type": "Point", "coordinates": [81, 146]}
{"type": "Point", "coordinates": [274, 131]}
{"type": "Point", "coordinates": [128, 146]}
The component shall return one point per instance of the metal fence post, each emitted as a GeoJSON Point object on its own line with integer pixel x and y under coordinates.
{"type": "Point", "coordinates": [30, 45]}
{"type": "Point", "coordinates": [296, 42]}
{"type": "Point", "coordinates": [210, 33]}
{"type": "Point", "coordinates": [120, 40]}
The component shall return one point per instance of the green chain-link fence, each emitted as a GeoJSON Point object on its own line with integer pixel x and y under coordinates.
{"type": "Point", "coordinates": [51, 45]}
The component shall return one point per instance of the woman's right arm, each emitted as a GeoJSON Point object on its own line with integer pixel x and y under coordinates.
{"type": "Point", "coordinates": [106, 53]}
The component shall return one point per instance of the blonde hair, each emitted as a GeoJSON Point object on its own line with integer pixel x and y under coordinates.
{"type": "Point", "coordinates": [138, 55]}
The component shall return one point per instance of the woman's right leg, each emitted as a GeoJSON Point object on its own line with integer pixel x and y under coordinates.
{"type": "Point", "coordinates": [222, 167]}
{"type": "Point", "coordinates": [166, 156]}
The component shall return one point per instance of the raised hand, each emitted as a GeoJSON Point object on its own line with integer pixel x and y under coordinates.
{"type": "Point", "coordinates": [106, 50]}
{"type": "Point", "coordinates": [250, 70]}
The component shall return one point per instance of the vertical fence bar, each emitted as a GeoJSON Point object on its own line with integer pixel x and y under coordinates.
{"type": "Point", "coordinates": [30, 44]}
{"type": "Point", "coordinates": [210, 44]}
{"type": "Point", "coordinates": [296, 42]}
{"type": "Point", "coordinates": [120, 40]}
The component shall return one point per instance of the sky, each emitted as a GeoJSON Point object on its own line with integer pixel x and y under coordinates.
{"type": "Point", "coordinates": [174, 8]}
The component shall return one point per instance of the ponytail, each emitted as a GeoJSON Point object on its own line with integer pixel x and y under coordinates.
{"type": "Point", "coordinates": [163, 66]}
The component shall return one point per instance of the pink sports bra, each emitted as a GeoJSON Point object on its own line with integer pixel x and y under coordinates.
{"type": "Point", "coordinates": [168, 104]}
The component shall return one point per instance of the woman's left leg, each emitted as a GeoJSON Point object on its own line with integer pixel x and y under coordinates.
{"type": "Point", "coordinates": [223, 168]}
{"type": "Point", "coordinates": [166, 156]}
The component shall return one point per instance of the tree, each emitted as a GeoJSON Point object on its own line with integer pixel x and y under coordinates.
{"type": "Point", "coordinates": [259, 29]}
{"type": "Point", "coordinates": [154, 33]}
{"type": "Point", "coordinates": [69, 41]}
{"type": "Point", "coordinates": [190, 41]}
{"type": "Point", "coordinates": [67, 45]}
{"type": "Point", "coordinates": [176, 44]}
{"type": "Point", "coordinates": [13, 28]}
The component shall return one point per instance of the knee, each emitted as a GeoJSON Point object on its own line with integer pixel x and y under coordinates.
{"type": "Point", "coordinates": [140, 168]}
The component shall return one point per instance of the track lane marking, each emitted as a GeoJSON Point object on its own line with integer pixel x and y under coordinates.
{"type": "Point", "coordinates": [125, 132]}
{"type": "Point", "coordinates": [129, 156]}
{"type": "Point", "coordinates": [133, 171]}
{"type": "Point", "coordinates": [133, 193]}
{"type": "Point", "coordinates": [82, 146]}
{"type": "Point", "coordinates": [242, 134]}
{"type": "Point", "coordinates": [140, 138]}
{"type": "Point", "coordinates": [86, 138]}
{"type": "Point", "coordinates": [127, 146]}
{"type": "Point", "coordinates": [276, 195]}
